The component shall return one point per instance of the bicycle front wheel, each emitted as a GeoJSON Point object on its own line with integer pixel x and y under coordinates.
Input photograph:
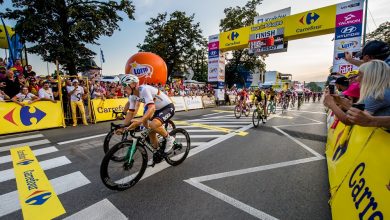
{"type": "Point", "coordinates": [111, 139]}
{"type": "Point", "coordinates": [256, 118]}
{"type": "Point", "coordinates": [237, 112]}
{"type": "Point", "coordinates": [170, 126]}
{"type": "Point", "coordinates": [121, 175]}
{"type": "Point", "coordinates": [181, 147]}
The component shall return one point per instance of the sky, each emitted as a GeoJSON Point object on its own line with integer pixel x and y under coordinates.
{"type": "Point", "coordinates": [307, 59]}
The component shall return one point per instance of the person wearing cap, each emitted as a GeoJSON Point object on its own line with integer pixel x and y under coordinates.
{"type": "Point", "coordinates": [373, 50]}
{"type": "Point", "coordinates": [76, 93]}
{"type": "Point", "coordinates": [342, 83]}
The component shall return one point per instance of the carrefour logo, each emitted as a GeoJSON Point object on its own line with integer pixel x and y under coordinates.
{"type": "Point", "coordinates": [309, 18]}
{"type": "Point", "coordinates": [141, 70]}
{"type": "Point", "coordinates": [25, 162]}
{"type": "Point", "coordinates": [26, 114]}
{"type": "Point", "coordinates": [233, 36]}
{"type": "Point", "coordinates": [38, 197]}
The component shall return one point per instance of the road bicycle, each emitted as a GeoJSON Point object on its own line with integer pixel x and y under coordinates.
{"type": "Point", "coordinates": [259, 114]}
{"type": "Point", "coordinates": [271, 107]}
{"type": "Point", "coordinates": [285, 103]}
{"type": "Point", "coordinates": [300, 102]}
{"type": "Point", "coordinates": [111, 138]}
{"type": "Point", "coordinates": [238, 110]}
{"type": "Point", "coordinates": [125, 163]}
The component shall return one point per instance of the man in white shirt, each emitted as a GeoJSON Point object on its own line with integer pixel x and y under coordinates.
{"type": "Point", "coordinates": [23, 96]}
{"type": "Point", "coordinates": [46, 93]}
{"type": "Point", "coordinates": [76, 93]}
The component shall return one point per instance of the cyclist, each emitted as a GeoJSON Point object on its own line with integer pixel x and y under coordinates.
{"type": "Point", "coordinates": [272, 94]}
{"type": "Point", "coordinates": [289, 95]}
{"type": "Point", "coordinates": [243, 94]}
{"type": "Point", "coordinates": [300, 97]}
{"type": "Point", "coordinates": [159, 110]}
{"type": "Point", "coordinates": [260, 99]}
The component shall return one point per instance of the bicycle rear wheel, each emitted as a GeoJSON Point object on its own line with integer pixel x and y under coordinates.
{"type": "Point", "coordinates": [237, 112]}
{"type": "Point", "coordinates": [181, 147]}
{"type": "Point", "coordinates": [121, 175]}
{"type": "Point", "coordinates": [256, 118]}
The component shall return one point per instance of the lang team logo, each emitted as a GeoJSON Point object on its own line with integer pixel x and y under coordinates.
{"type": "Point", "coordinates": [26, 114]}
{"type": "Point", "coordinates": [25, 162]}
{"type": "Point", "coordinates": [233, 36]}
{"type": "Point", "coordinates": [141, 70]}
{"type": "Point", "coordinates": [38, 197]}
{"type": "Point", "coordinates": [309, 18]}
{"type": "Point", "coordinates": [347, 45]}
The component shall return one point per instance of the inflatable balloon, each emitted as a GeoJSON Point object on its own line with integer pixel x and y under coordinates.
{"type": "Point", "coordinates": [149, 67]}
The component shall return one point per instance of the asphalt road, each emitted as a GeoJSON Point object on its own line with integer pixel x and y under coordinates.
{"type": "Point", "coordinates": [276, 171]}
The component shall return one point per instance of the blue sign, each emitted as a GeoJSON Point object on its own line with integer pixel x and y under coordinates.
{"type": "Point", "coordinates": [213, 54]}
{"type": "Point", "coordinates": [221, 85]}
{"type": "Point", "coordinates": [349, 31]}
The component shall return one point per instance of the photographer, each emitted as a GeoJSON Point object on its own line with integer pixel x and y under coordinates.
{"type": "Point", "coordinates": [76, 94]}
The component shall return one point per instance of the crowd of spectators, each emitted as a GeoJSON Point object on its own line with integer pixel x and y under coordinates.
{"type": "Point", "coordinates": [363, 97]}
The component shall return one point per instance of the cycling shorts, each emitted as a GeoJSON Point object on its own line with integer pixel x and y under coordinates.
{"type": "Point", "coordinates": [165, 113]}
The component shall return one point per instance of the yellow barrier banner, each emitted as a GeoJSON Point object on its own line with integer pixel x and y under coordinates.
{"type": "Point", "coordinates": [365, 191]}
{"type": "Point", "coordinates": [37, 197]}
{"type": "Point", "coordinates": [310, 23]}
{"type": "Point", "coordinates": [103, 109]}
{"type": "Point", "coordinates": [348, 145]}
{"type": "Point", "coordinates": [235, 39]}
{"type": "Point", "coordinates": [39, 115]}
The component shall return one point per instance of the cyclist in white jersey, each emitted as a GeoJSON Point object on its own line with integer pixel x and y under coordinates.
{"type": "Point", "coordinates": [160, 110]}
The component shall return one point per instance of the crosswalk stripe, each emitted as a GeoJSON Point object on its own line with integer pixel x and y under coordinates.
{"type": "Point", "coordinates": [224, 126]}
{"type": "Point", "coordinates": [227, 123]}
{"type": "Point", "coordinates": [197, 143]}
{"type": "Point", "coordinates": [42, 151]}
{"type": "Point", "coordinates": [99, 211]}
{"type": "Point", "coordinates": [199, 131]}
{"type": "Point", "coordinates": [2, 141]}
{"type": "Point", "coordinates": [9, 202]}
{"type": "Point", "coordinates": [81, 139]}
{"type": "Point", "coordinates": [46, 165]}
{"type": "Point", "coordinates": [31, 144]}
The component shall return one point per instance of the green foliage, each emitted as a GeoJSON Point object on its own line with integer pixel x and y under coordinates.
{"type": "Point", "coordinates": [60, 29]}
{"type": "Point", "coordinates": [381, 33]}
{"type": "Point", "coordinates": [178, 40]}
{"type": "Point", "coordinates": [237, 17]}
{"type": "Point", "coordinates": [313, 87]}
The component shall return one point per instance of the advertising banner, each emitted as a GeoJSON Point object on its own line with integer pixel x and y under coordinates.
{"type": "Point", "coordinates": [102, 109]}
{"type": "Point", "coordinates": [235, 39]}
{"type": "Point", "coordinates": [208, 102]}
{"type": "Point", "coordinates": [232, 99]}
{"type": "Point", "coordinates": [39, 115]}
{"type": "Point", "coordinates": [348, 34]}
{"type": "Point", "coordinates": [364, 191]}
{"type": "Point", "coordinates": [310, 23]}
{"type": "Point", "coordinates": [193, 102]}
{"type": "Point", "coordinates": [214, 54]}
{"type": "Point", "coordinates": [275, 15]}
{"type": "Point", "coordinates": [37, 198]}
{"type": "Point", "coordinates": [178, 102]}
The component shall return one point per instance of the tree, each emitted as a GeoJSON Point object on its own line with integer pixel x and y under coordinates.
{"type": "Point", "coordinates": [60, 29]}
{"type": "Point", "coordinates": [381, 33]}
{"type": "Point", "coordinates": [175, 38]}
{"type": "Point", "coordinates": [237, 17]}
{"type": "Point", "coordinates": [313, 87]}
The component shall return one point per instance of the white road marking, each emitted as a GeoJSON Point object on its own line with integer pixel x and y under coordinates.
{"type": "Point", "coordinates": [234, 202]}
{"type": "Point", "coordinates": [46, 150]}
{"type": "Point", "coordinates": [228, 123]}
{"type": "Point", "coordinates": [323, 113]}
{"type": "Point", "coordinates": [200, 131]}
{"type": "Point", "coordinates": [300, 143]}
{"type": "Point", "coordinates": [308, 118]}
{"type": "Point", "coordinates": [99, 211]}
{"type": "Point", "coordinates": [211, 114]}
{"type": "Point", "coordinates": [197, 143]}
{"type": "Point", "coordinates": [9, 202]}
{"type": "Point", "coordinates": [2, 141]}
{"type": "Point", "coordinates": [30, 144]}
{"type": "Point", "coordinates": [81, 139]}
{"type": "Point", "coordinates": [46, 165]}
{"type": "Point", "coordinates": [201, 136]}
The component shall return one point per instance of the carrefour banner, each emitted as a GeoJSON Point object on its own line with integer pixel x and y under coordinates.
{"type": "Point", "coordinates": [193, 102]}
{"type": "Point", "coordinates": [365, 190]}
{"type": "Point", "coordinates": [103, 109]}
{"type": "Point", "coordinates": [37, 198]}
{"type": "Point", "coordinates": [179, 103]}
{"type": "Point", "coordinates": [235, 39]}
{"type": "Point", "coordinates": [39, 115]}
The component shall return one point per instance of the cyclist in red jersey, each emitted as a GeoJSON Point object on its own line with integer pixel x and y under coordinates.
{"type": "Point", "coordinates": [243, 98]}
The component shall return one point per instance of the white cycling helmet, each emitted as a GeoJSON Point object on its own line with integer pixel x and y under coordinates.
{"type": "Point", "coordinates": [129, 78]}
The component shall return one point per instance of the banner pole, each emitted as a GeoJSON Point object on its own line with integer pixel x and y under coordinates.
{"type": "Point", "coordinates": [365, 23]}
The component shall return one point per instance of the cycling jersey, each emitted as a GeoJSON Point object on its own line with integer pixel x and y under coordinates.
{"type": "Point", "coordinates": [150, 95]}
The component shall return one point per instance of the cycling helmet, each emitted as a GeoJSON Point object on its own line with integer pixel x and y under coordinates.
{"type": "Point", "coordinates": [129, 78]}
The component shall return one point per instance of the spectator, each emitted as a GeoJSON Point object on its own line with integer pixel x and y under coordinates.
{"type": "Point", "coordinates": [76, 93]}
{"type": "Point", "coordinates": [3, 96]}
{"type": "Point", "coordinates": [33, 86]}
{"type": "Point", "coordinates": [46, 93]}
{"type": "Point", "coordinates": [3, 72]}
{"type": "Point", "coordinates": [24, 95]}
{"type": "Point", "coordinates": [342, 84]}
{"type": "Point", "coordinates": [112, 93]}
{"type": "Point", "coordinates": [97, 90]}
{"type": "Point", "coordinates": [12, 84]}
{"type": "Point", "coordinates": [29, 72]}
{"type": "Point", "coordinates": [372, 50]}
{"type": "Point", "coordinates": [375, 87]}
{"type": "Point", "coordinates": [18, 67]}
